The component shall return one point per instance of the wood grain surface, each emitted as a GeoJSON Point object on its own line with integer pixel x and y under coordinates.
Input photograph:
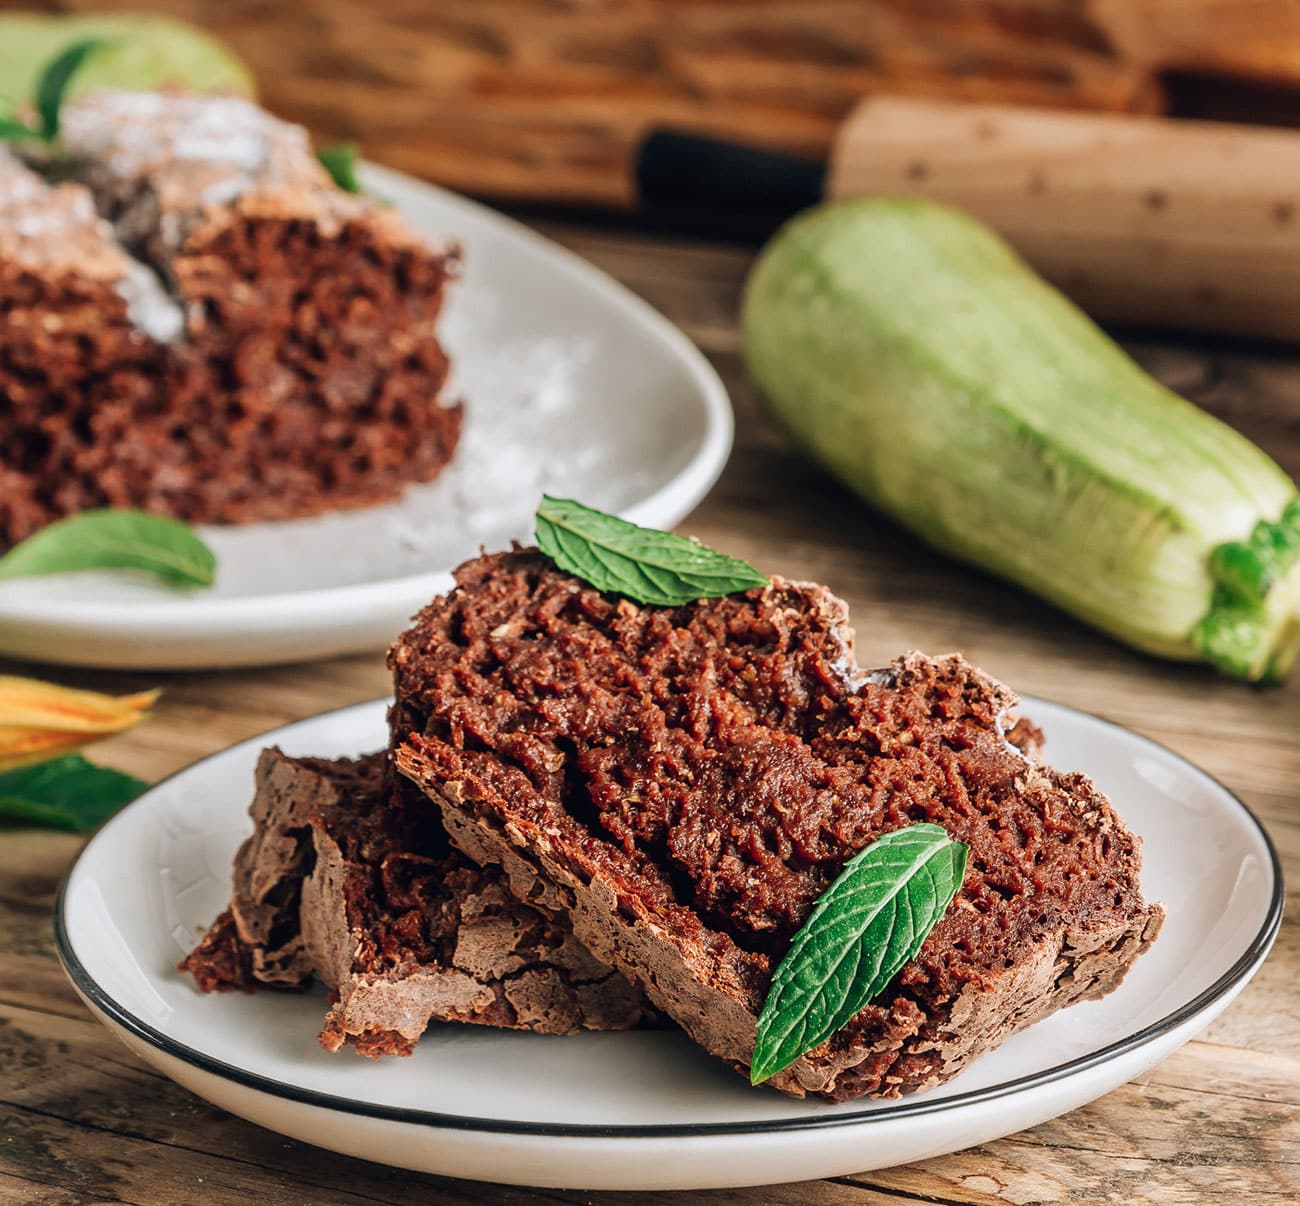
{"type": "Point", "coordinates": [546, 99]}
{"type": "Point", "coordinates": [83, 1121]}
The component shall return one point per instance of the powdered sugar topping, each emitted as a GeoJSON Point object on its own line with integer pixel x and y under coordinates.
{"type": "Point", "coordinates": [149, 306]}
{"type": "Point", "coordinates": [189, 151]}
{"type": "Point", "coordinates": [53, 227]}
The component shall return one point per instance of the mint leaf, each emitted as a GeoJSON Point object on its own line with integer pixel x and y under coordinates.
{"type": "Point", "coordinates": [114, 539]}
{"type": "Point", "coordinates": [53, 84]}
{"type": "Point", "coordinates": [13, 130]}
{"type": "Point", "coordinates": [340, 160]}
{"type": "Point", "coordinates": [867, 924]}
{"type": "Point", "coordinates": [641, 563]}
{"type": "Point", "coordinates": [67, 793]}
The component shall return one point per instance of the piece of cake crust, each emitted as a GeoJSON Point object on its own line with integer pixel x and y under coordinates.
{"type": "Point", "coordinates": [683, 784]}
{"type": "Point", "coordinates": [335, 881]}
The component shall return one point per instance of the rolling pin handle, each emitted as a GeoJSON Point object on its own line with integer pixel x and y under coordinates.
{"type": "Point", "coordinates": [686, 176]}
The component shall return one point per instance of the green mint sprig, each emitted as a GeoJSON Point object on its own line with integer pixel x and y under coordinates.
{"type": "Point", "coordinates": [339, 159]}
{"type": "Point", "coordinates": [66, 793]}
{"type": "Point", "coordinates": [51, 91]}
{"type": "Point", "coordinates": [114, 539]}
{"type": "Point", "coordinates": [865, 926]}
{"type": "Point", "coordinates": [640, 563]}
{"type": "Point", "coordinates": [13, 130]}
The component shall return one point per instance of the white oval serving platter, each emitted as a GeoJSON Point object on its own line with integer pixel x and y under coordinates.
{"type": "Point", "coordinates": [641, 1110]}
{"type": "Point", "coordinates": [572, 386]}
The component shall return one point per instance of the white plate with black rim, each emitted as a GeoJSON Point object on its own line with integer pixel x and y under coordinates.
{"type": "Point", "coordinates": [640, 1110]}
{"type": "Point", "coordinates": [572, 386]}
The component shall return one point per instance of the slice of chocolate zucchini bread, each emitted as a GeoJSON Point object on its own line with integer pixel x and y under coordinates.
{"type": "Point", "coordinates": [280, 354]}
{"type": "Point", "coordinates": [683, 783]}
{"type": "Point", "coordinates": [335, 881]}
{"type": "Point", "coordinates": [76, 352]}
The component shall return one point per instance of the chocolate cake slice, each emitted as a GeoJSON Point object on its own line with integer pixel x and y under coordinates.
{"type": "Point", "coordinates": [75, 351]}
{"type": "Point", "coordinates": [335, 881]}
{"type": "Point", "coordinates": [248, 342]}
{"type": "Point", "coordinates": [682, 784]}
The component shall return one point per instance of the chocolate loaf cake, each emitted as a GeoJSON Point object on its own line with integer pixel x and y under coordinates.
{"type": "Point", "coordinates": [265, 345]}
{"type": "Point", "coordinates": [74, 352]}
{"type": "Point", "coordinates": [403, 929]}
{"type": "Point", "coordinates": [683, 783]}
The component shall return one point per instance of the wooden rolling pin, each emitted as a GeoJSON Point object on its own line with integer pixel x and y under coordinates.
{"type": "Point", "coordinates": [1156, 221]}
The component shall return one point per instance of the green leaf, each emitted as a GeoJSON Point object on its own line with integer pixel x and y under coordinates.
{"type": "Point", "coordinates": [641, 563]}
{"type": "Point", "coordinates": [148, 52]}
{"type": "Point", "coordinates": [867, 924]}
{"type": "Point", "coordinates": [114, 539]}
{"type": "Point", "coordinates": [67, 793]}
{"type": "Point", "coordinates": [13, 130]}
{"type": "Point", "coordinates": [340, 160]}
{"type": "Point", "coordinates": [54, 81]}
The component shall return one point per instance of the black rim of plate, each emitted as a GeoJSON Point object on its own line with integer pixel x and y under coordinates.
{"type": "Point", "coordinates": [1250, 958]}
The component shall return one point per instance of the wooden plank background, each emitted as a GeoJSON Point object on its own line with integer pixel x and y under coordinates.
{"type": "Point", "coordinates": [83, 1121]}
{"type": "Point", "coordinates": [545, 99]}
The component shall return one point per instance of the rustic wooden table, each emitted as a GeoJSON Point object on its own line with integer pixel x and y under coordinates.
{"type": "Point", "coordinates": [83, 1121]}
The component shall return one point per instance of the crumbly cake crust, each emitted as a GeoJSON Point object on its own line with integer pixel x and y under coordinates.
{"type": "Point", "coordinates": [169, 168]}
{"type": "Point", "coordinates": [682, 784]}
{"type": "Point", "coordinates": [54, 230]}
{"type": "Point", "coordinates": [336, 882]}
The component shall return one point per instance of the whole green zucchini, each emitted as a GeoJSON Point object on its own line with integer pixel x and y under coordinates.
{"type": "Point", "coordinates": [915, 355]}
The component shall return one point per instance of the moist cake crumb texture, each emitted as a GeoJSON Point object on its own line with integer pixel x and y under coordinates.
{"type": "Point", "coordinates": [684, 783]}
{"type": "Point", "coordinates": [194, 320]}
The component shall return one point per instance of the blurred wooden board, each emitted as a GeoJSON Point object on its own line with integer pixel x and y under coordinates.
{"type": "Point", "coordinates": [538, 100]}
{"type": "Point", "coordinates": [81, 1120]}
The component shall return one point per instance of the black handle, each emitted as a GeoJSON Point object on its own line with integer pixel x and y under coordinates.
{"type": "Point", "coordinates": [723, 184]}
